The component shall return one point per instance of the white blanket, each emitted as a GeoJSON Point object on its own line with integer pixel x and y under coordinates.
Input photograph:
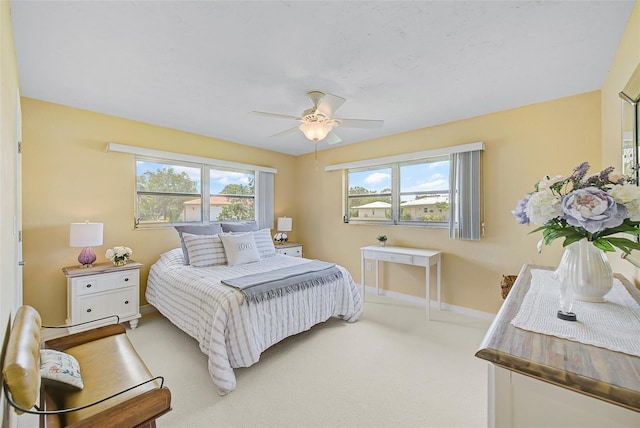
{"type": "Point", "coordinates": [233, 334]}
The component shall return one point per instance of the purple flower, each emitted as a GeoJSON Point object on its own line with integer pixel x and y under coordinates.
{"type": "Point", "coordinates": [520, 213]}
{"type": "Point", "coordinates": [592, 209]}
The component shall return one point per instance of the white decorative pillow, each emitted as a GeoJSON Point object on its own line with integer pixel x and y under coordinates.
{"type": "Point", "coordinates": [60, 369]}
{"type": "Point", "coordinates": [240, 248]}
{"type": "Point", "coordinates": [204, 250]}
{"type": "Point", "coordinates": [264, 243]}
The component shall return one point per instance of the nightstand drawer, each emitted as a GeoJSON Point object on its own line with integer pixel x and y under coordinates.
{"type": "Point", "coordinates": [123, 303]}
{"type": "Point", "coordinates": [110, 281]}
{"type": "Point", "coordinates": [290, 250]}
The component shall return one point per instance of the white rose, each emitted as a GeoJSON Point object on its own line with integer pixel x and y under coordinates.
{"type": "Point", "coordinates": [624, 194]}
{"type": "Point", "coordinates": [109, 254]}
{"type": "Point", "coordinates": [544, 206]}
{"type": "Point", "coordinates": [547, 182]}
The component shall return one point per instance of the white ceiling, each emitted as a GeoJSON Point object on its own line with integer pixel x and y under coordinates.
{"type": "Point", "coordinates": [202, 66]}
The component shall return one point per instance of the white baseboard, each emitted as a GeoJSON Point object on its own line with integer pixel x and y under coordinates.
{"type": "Point", "coordinates": [434, 304]}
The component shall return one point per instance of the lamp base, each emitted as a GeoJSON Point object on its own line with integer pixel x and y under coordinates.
{"type": "Point", "coordinates": [86, 257]}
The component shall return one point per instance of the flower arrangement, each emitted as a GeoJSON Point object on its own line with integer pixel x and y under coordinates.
{"type": "Point", "coordinates": [119, 255]}
{"type": "Point", "coordinates": [575, 207]}
{"type": "Point", "coordinates": [382, 238]}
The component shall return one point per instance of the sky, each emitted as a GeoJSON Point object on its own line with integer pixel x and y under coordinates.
{"type": "Point", "coordinates": [413, 178]}
{"type": "Point", "coordinates": [219, 178]}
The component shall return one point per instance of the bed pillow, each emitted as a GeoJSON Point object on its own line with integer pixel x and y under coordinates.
{"type": "Point", "coordinates": [264, 243]}
{"type": "Point", "coordinates": [204, 250]}
{"type": "Point", "coordinates": [240, 248]}
{"type": "Point", "coordinates": [60, 369]}
{"type": "Point", "coordinates": [211, 229]}
{"type": "Point", "coordinates": [239, 226]}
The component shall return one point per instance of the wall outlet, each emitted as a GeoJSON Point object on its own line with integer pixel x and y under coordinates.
{"type": "Point", "coordinates": [369, 267]}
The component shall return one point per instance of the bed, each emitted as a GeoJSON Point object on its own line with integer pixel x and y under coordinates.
{"type": "Point", "coordinates": [231, 330]}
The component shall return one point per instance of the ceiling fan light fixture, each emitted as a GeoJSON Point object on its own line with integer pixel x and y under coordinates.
{"type": "Point", "coordinates": [316, 131]}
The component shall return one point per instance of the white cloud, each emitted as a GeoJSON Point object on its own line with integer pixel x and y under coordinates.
{"type": "Point", "coordinates": [376, 178]}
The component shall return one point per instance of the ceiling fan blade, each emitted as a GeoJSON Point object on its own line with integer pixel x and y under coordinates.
{"type": "Point", "coordinates": [276, 115]}
{"type": "Point", "coordinates": [360, 123]}
{"type": "Point", "coordinates": [285, 132]}
{"type": "Point", "coordinates": [332, 138]}
{"type": "Point", "coordinates": [329, 104]}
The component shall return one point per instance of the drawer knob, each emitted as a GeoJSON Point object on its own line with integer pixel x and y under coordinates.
{"type": "Point", "coordinates": [126, 302]}
{"type": "Point", "coordinates": [88, 310]}
{"type": "Point", "coordinates": [88, 285]}
{"type": "Point", "coordinates": [126, 279]}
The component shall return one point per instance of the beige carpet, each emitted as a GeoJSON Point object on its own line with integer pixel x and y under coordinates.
{"type": "Point", "coordinates": [391, 368]}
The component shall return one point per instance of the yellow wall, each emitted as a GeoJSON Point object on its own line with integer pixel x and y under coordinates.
{"type": "Point", "coordinates": [8, 194]}
{"type": "Point", "coordinates": [522, 145]}
{"type": "Point", "coordinates": [69, 177]}
{"type": "Point", "coordinates": [626, 59]}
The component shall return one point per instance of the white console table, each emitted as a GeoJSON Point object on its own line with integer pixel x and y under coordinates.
{"type": "Point", "coordinates": [407, 256]}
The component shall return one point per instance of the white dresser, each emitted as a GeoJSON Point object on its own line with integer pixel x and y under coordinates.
{"type": "Point", "coordinates": [102, 291]}
{"type": "Point", "coordinates": [290, 249]}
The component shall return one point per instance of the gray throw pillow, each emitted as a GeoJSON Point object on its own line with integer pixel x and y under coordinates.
{"type": "Point", "coordinates": [239, 226]}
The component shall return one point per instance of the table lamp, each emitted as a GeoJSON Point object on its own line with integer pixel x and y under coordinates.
{"type": "Point", "coordinates": [85, 235]}
{"type": "Point", "coordinates": [284, 226]}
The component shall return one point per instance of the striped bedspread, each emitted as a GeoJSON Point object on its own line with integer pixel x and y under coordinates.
{"type": "Point", "coordinates": [231, 332]}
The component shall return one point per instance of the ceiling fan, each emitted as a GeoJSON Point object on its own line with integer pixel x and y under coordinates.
{"type": "Point", "coordinates": [317, 123]}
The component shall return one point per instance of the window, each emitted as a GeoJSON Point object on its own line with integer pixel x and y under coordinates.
{"type": "Point", "coordinates": [171, 188]}
{"type": "Point", "coordinates": [172, 192]}
{"type": "Point", "coordinates": [420, 197]}
{"type": "Point", "coordinates": [438, 188]}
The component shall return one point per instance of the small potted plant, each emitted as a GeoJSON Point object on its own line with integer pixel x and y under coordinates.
{"type": "Point", "coordinates": [382, 239]}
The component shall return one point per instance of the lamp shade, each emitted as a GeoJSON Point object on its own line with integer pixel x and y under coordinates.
{"type": "Point", "coordinates": [85, 234]}
{"type": "Point", "coordinates": [315, 131]}
{"type": "Point", "coordinates": [285, 224]}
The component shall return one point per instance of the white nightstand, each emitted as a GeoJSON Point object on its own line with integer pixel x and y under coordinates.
{"type": "Point", "coordinates": [290, 249]}
{"type": "Point", "coordinates": [101, 291]}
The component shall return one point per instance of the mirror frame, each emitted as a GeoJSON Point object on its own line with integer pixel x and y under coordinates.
{"type": "Point", "coordinates": [630, 114]}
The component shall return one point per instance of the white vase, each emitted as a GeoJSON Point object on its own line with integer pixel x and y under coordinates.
{"type": "Point", "coordinates": [587, 270]}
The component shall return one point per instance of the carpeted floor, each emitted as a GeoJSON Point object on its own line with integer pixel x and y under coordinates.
{"type": "Point", "coordinates": [391, 368]}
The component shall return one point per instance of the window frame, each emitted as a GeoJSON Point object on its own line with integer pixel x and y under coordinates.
{"type": "Point", "coordinates": [204, 194]}
{"type": "Point", "coordinates": [465, 176]}
{"type": "Point", "coordinates": [396, 193]}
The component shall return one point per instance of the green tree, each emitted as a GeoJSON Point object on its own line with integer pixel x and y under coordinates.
{"type": "Point", "coordinates": [442, 206]}
{"type": "Point", "coordinates": [242, 202]}
{"type": "Point", "coordinates": [153, 207]}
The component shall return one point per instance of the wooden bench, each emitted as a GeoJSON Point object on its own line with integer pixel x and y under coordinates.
{"type": "Point", "coordinates": [119, 390]}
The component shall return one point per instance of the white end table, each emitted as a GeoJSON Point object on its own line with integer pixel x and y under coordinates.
{"type": "Point", "coordinates": [407, 256]}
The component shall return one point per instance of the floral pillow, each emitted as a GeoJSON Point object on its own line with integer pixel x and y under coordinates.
{"type": "Point", "coordinates": [60, 369]}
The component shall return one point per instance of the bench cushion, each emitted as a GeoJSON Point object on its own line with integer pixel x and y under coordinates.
{"type": "Point", "coordinates": [108, 365]}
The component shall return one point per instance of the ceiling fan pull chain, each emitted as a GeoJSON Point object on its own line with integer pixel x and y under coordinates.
{"type": "Point", "coordinates": [315, 154]}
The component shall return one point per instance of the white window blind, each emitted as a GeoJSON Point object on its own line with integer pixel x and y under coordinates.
{"type": "Point", "coordinates": [465, 221]}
